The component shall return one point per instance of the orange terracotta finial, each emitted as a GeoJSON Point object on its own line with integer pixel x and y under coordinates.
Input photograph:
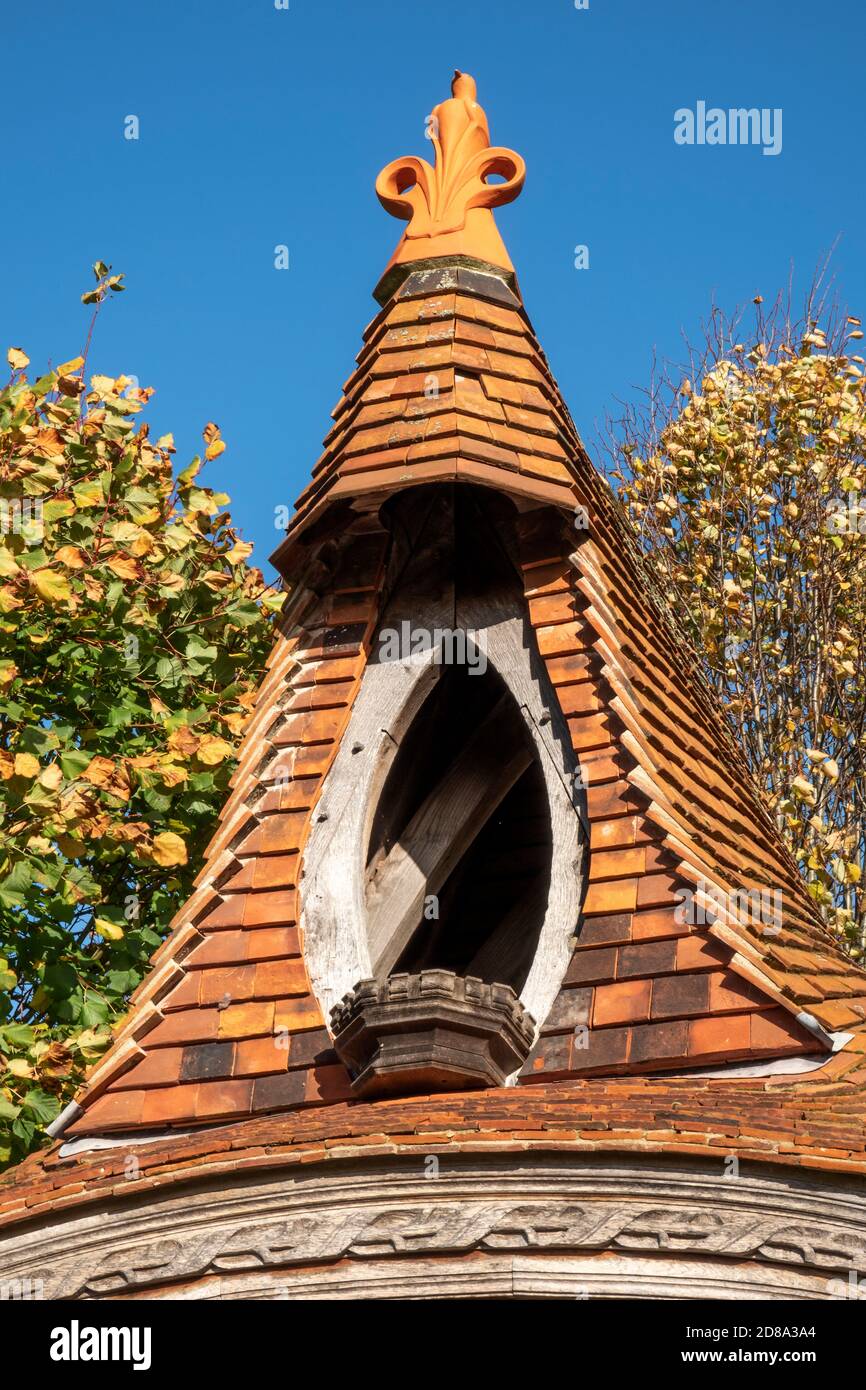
{"type": "Point", "coordinates": [448, 207]}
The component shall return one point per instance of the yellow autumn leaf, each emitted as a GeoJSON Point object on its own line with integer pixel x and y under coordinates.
{"type": "Point", "coordinates": [9, 601]}
{"type": "Point", "coordinates": [213, 750]}
{"type": "Point", "coordinates": [815, 755]}
{"type": "Point", "coordinates": [129, 832]}
{"type": "Point", "coordinates": [214, 450]}
{"type": "Point", "coordinates": [102, 384]}
{"type": "Point", "coordinates": [91, 1040]}
{"type": "Point", "coordinates": [17, 359]}
{"type": "Point", "coordinates": [168, 849]}
{"type": "Point", "coordinates": [51, 777]}
{"type": "Point", "coordinates": [183, 740]}
{"type": "Point", "coordinates": [26, 765]}
{"type": "Point", "coordinates": [8, 672]}
{"type": "Point", "coordinates": [50, 586]}
{"type": "Point", "coordinates": [49, 443]}
{"type": "Point", "coordinates": [110, 930]}
{"type": "Point", "coordinates": [94, 590]}
{"type": "Point", "coordinates": [239, 551]}
{"type": "Point", "coordinates": [99, 771]}
{"type": "Point", "coordinates": [172, 775]}
{"type": "Point", "coordinates": [125, 567]}
{"type": "Point", "coordinates": [71, 557]}
{"type": "Point", "coordinates": [804, 791]}
{"type": "Point", "coordinates": [173, 583]}
{"type": "Point", "coordinates": [216, 579]}
{"type": "Point", "coordinates": [72, 365]}
{"type": "Point", "coordinates": [143, 544]}
{"type": "Point", "coordinates": [89, 494]}
{"type": "Point", "coordinates": [144, 760]}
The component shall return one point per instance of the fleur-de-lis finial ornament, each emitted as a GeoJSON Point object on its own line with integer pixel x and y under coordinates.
{"type": "Point", "coordinates": [448, 205]}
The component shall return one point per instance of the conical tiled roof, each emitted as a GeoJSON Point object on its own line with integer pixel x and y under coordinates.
{"type": "Point", "coordinates": [451, 384]}
{"type": "Point", "coordinates": [452, 387]}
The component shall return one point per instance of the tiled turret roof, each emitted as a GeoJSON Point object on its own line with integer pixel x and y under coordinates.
{"type": "Point", "coordinates": [451, 387]}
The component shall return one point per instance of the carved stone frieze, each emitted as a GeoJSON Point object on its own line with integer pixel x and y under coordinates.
{"type": "Point", "coordinates": [258, 1234]}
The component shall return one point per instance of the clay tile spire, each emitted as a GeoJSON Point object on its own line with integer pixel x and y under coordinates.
{"type": "Point", "coordinates": [448, 205]}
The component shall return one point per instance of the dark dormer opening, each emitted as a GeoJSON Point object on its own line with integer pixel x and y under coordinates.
{"type": "Point", "coordinates": [458, 813]}
{"type": "Point", "coordinates": [465, 801]}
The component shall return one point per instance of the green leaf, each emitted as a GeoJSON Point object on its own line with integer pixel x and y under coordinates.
{"type": "Point", "coordinates": [13, 888]}
{"type": "Point", "coordinates": [24, 1129]}
{"type": "Point", "coordinates": [42, 1107]}
{"type": "Point", "coordinates": [60, 979]}
{"type": "Point", "coordinates": [56, 508]}
{"type": "Point", "coordinates": [16, 1035]}
{"type": "Point", "coordinates": [73, 763]}
{"type": "Point", "coordinates": [94, 1012]}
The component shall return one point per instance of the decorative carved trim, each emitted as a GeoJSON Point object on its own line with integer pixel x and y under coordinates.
{"type": "Point", "coordinates": [667, 1225]}
{"type": "Point", "coordinates": [435, 1031]}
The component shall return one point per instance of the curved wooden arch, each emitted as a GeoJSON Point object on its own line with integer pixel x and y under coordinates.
{"type": "Point", "coordinates": [334, 909]}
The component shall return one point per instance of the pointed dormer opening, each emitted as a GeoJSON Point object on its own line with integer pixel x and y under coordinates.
{"type": "Point", "coordinates": [458, 867]}
{"type": "Point", "coordinates": [454, 808]}
{"type": "Point", "coordinates": [459, 857]}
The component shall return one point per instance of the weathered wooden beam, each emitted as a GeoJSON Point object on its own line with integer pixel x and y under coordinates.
{"type": "Point", "coordinates": [441, 832]}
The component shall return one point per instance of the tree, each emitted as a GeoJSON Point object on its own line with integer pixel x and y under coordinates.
{"type": "Point", "coordinates": [745, 474]}
{"type": "Point", "coordinates": [132, 638]}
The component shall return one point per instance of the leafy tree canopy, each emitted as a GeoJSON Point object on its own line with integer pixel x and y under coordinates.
{"type": "Point", "coordinates": [745, 474]}
{"type": "Point", "coordinates": [133, 636]}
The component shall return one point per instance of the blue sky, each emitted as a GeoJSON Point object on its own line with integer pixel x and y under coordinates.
{"type": "Point", "coordinates": [262, 126]}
